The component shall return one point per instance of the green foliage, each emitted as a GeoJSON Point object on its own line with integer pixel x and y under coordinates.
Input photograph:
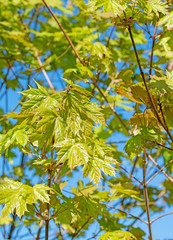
{"type": "Point", "coordinates": [117, 235]}
{"type": "Point", "coordinates": [16, 196]}
{"type": "Point", "coordinates": [108, 116]}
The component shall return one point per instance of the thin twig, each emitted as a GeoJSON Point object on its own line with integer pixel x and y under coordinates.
{"type": "Point", "coordinates": [109, 38]}
{"type": "Point", "coordinates": [39, 61]}
{"type": "Point", "coordinates": [161, 216]}
{"type": "Point", "coordinates": [146, 195]}
{"type": "Point", "coordinates": [65, 34]}
{"type": "Point", "coordinates": [111, 107]}
{"type": "Point", "coordinates": [142, 213]}
{"type": "Point", "coordinates": [159, 144]}
{"type": "Point", "coordinates": [152, 49]}
{"type": "Point", "coordinates": [12, 228]}
{"type": "Point", "coordinates": [161, 169]}
{"type": "Point", "coordinates": [131, 175]}
{"type": "Point", "coordinates": [127, 213]}
{"type": "Point", "coordinates": [44, 72]}
{"type": "Point", "coordinates": [37, 237]}
{"type": "Point", "coordinates": [75, 234]}
{"type": "Point", "coordinates": [134, 165]}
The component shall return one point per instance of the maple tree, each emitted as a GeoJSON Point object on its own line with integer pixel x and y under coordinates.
{"type": "Point", "coordinates": [95, 80]}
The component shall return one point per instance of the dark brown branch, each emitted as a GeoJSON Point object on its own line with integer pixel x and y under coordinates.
{"type": "Point", "coordinates": [110, 34]}
{"type": "Point", "coordinates": [146, 86]}
{"type": "Point", "coordinates": [146, 195]}
{"type": "Point", "coordinates": [134, 165]}
{"type": "Point", "coordinates": [65, 34]}
{"type": "Point", "coordinates": [12, 228]}
{"type": "Point", "coordinates": [161, 145]}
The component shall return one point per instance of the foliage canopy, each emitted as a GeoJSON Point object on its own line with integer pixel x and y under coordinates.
{"type": "Point", "coordinates": [96, 92]}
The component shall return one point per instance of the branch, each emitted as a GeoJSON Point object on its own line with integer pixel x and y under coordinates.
{"type": "Point", "coordinates": [107, 44]}
{"type": "Point", "coordinates": [47, 210]}
{"type": "Point", "coordinates": [39, 61]}
{"type": "Point", "coordinates": [37, 237]}
{"type": "Point", "coordinates": [12, 228]}
{"type": "Point", "coordinates": [161, 216]}
{"type": "Point", "coordinates": [152, 49]}
{"type": "Point", "coordinates": [164, 120]}
{"type": "Point", "coordinates": [75, 234]}
{"type": "Point", "coordinates": [131, 175]}
{"type": "Point", "coordinates": [77, 54]}
{"type": "Point", "coordinates": [111, 107]}
{"type": "Point", "coordinates": [161, 169]}
{"type": "Point", "coordinates": [159, 144]}
{"type": "Point", "coordinates": [146, 86]}
{"type": "Point", "coordinates": [44, 72]}
{"type": "Point", "coordinates": [127, 213]}
{"type": "Point", "coordinates": [146, 195]}
{"type": "Point", "coordinates": [65, 34]}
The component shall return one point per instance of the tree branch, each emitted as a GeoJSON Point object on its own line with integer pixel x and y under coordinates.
{"type": "Point", "coordinates": [37, 237]}
{"type": "Point", "coordinates": [146, 86]}
{"type": "Point", "coordinates": [65, 34]}
{"type": "Point", "coordinates": [112, 108]}
{"type": "Point", "coordinates": [152, 49]}
{"type": "Point", "coordinates": [44, 72]}
{"type": "Point", "coordinates": [127, 213]}
{"type": "Point", "coordinates": [77, 54]}
{"type": "Point", "coordinates": [146, 195]}
{"type": "Point", "coordinates": [161, 216]}
{"type": "Point", "coordinates": [47, 210]}
{"type": "Point", "coordinates": [161, 169]}
{"type": "Point", "coordinates": [161, 145]}
{"type": "Point", "coordinates": [131, 175]}
{"type": "Point", "coordinates": [75, 234]}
